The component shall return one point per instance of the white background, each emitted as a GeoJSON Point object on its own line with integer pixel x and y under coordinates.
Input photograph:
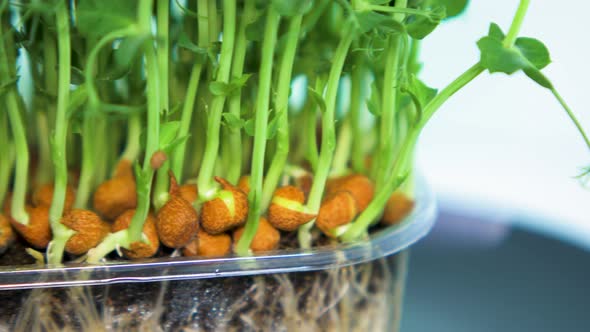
{"type": "Point", "coordinates": [502, 147]}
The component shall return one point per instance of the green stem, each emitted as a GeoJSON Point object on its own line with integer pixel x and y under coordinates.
{"type": "Point", "coordinates": [103, 148]}
{"type": "Point", "coordinates": [163, 50]}
{"type": "Point", "coordinates": [388, 111]}
{"type": "Point", "coordinates": [88, 167]}
{"type": "Point", "coordinates": [282, 106]}
{"type": "Point", "coordinates": [203, 23]}
{"type": "Point", "coordinates": [328, 136]}
{"type": "Point", "coordinates": [450, 90]}
{"type": "Point", "coordinates": [413, 61]}
{"type": "Point", "coordinates": [7, 162]}
{"type": "Point", "coordinates": [133, 146]}
{"type": "Point", "coordinates": [145, 177]}
{"type": "Point", "coordinates": [359, 227]}
{"type": "Point", "coordinates": [235, 108]}
{"type": "Point", "coordinates": [357, 76]}
{"type": "Point", "coordinates": [207, 187]}
{"type": "Point", "coordinates": [163, 44]}
{"type": "Point", "coordinates": [343, 147]}
{"type": "Point", "coordinates": [260, 127]}
{"type": "Point", "coordinates": [196, 127]}
{"type": "Point", "coordinates": [516, 24]}
{"type": "Point", "coordinates": [108, 244]}
{"type": "Point", "coordinates": [50, 71]}
{"type": "Point", "coordinates": [93, 97]}
{"type": "Point", "coordinates": [61, 233]}
{"type": "Point", "coordinates": [177, 162]}
{"type": "Point", "coordinates": [386, 151]}
{"type": "Point", "coordinates": [45, 173]}
{"type": "Point", "coordinates": [310, 127]}
{"type": "Point", "coordinates": [20, 139]}
{"type": "Point", "coordinates": [403, 162]}
{"type": "Point", "coordinates": [213, 27]}
{"type": "Point", "coordinates": [572, 116]}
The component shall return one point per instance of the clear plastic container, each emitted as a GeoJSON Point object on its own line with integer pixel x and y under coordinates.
{"type": "Point", "coordinates": [344, 287]}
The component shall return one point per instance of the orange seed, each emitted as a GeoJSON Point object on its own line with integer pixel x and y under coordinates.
{"type": "Point", "coordinates": [189, 192]}
{"type": "Point", "coordinates": [267, 237]}
{"type": "Point", "coordinates": [177, 221]}
{"type": "Point", "coordinates": [360, 186]}
{"type": "Point", "coordinates": [337, 210]}
{"type": "Point", "coordinates": [38, 232]}
{"type": "Point", "coordinates": [208, 245]}
{"type": "Point", "coordinates": [115, 196]}
{"type": "Point", "coordinates": [139, 249]}
{"type": "Point", "coordinates": [286, 209]}
{"type": "Point", "coordinates": [89, 228]}
{"type": "Point", "coordinates": [7, 235]}
{"type": "Point", "coordinates": [43, 195]}
{"type": "Point", "coordinates": [397, 208]}
{"type": "Point", "coordinates": [227, 211]}
{"type": "Point", "coordinates": [244, 184]}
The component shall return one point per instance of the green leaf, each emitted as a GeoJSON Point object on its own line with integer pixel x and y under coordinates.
{"type": "Point", "coordinates": [496, 32]}
{"type": "Point", "coordinates": [99, 17]}
{"type": "Point", "coordinates": [168, 132]}
{"type": "Point", "coordinates": [368, 21]}
{"type": "Point", "coordinates": [229, 89]}
{"type": "Point", "coordinates": [534, 51]}
{"type": "Point", "coordinates": [423, 93]}
{"type": "Point", "coordinates": [273, 125]}
{"type": "Point", "coordinates": [528, 54]}
{"type": "Point", "coordinates": [232, 121]}
{"type": "Point", "coordinates": [420, 26]}
{"type": "Point", "coordinates": [378, 2]}
{"type": "Point", "coordinates": [219, 88]}
{"type": "Point", "coordinates": [420, 93]}
{"type": "Point", "coordinates": [185, 42]}
{"type": "Point", "coordinates": [452, 7]}
{"type": "Point", "coordinates": [496, 58]}
{"type": "Point", "coordinates": [291, 8]}
{"type": "Point", "coordinates": [239, 82]}
{"type": "Point", "coordinates": [525, 53]}
{"type": "Point", "coordinates": [175, 142]}
{"type": "Point", "coordinates": [249, 127]}
{"type": "Point", "coordinates": [127, 53]}
{"type": "Point", "coordinates": [317, 98]}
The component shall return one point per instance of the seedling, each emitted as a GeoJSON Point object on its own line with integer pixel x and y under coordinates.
{"type": "Point", "coordinates": [183, 122]}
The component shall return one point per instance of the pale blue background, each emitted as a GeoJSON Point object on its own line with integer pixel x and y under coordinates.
{"type": "Point", "coordinates": [502, 147]}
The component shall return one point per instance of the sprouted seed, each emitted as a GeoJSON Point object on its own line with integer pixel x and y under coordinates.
{"type": "Point", "coordinates": [273, 116]}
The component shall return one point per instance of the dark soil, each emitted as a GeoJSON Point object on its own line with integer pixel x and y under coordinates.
{"type": "Point", "coordinates": [360, 297]}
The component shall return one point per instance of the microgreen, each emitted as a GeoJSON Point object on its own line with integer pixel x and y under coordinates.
{"type": "Point", "coordinates": [202, 91]}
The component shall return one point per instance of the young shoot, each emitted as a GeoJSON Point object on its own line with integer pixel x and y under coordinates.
{"type": "Point", "coordinates": [15, 117]}
{"type": "Point", "coordinates": [208, 127]}
{"type": "Point", "coordinates": [260, 130]}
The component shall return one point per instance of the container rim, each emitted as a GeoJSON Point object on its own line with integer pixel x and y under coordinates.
{"type": "Point", "coordinates": [382, 243]}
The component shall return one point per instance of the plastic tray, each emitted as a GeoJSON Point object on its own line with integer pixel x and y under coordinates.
{"type": "Point", "coordinates": [382, 243]}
